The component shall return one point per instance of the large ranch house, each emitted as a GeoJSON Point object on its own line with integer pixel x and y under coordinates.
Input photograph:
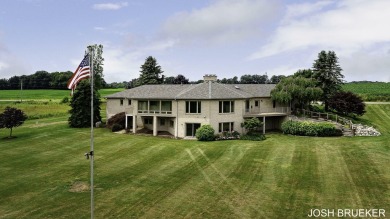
{"type": "Point", "coordinates": [181, 109]}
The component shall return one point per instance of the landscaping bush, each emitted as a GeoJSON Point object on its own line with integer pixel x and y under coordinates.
{"type": "Point", "coordinates": [205, 133]}
{"type": "Point", "coordinates": [227, 135]}
{"type": "Point", "coordinates": [253, 136]}
{"type": "Point", "coordinates": [119, 118]}
{"type": "Point", "coordinates": [306, 128]}
{"type": "Point", "coordinates": [116, 127]}
{"type": "Point", "coordinates": [65, 100]}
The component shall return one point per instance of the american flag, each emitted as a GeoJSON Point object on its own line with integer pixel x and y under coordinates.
{"type": "Point", "coordinates": [82, 72]}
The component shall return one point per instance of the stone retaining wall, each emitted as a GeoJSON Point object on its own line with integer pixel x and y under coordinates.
{"type": "Point", "coordinates": [363, 130]}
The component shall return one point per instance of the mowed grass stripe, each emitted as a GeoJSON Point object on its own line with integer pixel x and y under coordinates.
{"type": "Point", "coordinates": [160, 186]}
{"type": "Point", "coordinates": [380, 113]}
{"type": "Point", "coordinates": [283, 176]}
{"type": "Point", "coordinates": [371, 186]}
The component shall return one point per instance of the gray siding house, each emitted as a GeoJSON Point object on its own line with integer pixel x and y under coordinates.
{"type": "Point", "coordinates": [181, 109]}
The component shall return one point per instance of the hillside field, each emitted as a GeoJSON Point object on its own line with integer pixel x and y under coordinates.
{"type": "Point", "coordinates": [370, 91]}
{"type": "Point", "coordinates": [45, 175]}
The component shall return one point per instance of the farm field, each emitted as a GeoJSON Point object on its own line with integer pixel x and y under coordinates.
{"type": "Point", "coordinates": [45, 95]}
{"type": "Point", "coordinates": [370, 91]}
{"type": "Point", "coordinates": [45, 175]}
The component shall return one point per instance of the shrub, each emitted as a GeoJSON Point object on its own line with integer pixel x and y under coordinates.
{"type": "Point", "coordinates": [251, 124]}
{"type": "Point", "coordinates": [65, 100]}
{"type": "Point", "coordinates": [119, 118]}
{"type": "Point", "coordinates": [227, 135]}
{"type": "Point", "coordinates": [253, 136]}
{"type": "Point", "coordinates": [310, 129]}
{"type": "Point", "coordinates": [205, 133]}
{"type": "Point", "coordinates": [116, 127]}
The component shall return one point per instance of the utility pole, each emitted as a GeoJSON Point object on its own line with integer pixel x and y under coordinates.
{"type": "Point", "coordinates": [21, 89]}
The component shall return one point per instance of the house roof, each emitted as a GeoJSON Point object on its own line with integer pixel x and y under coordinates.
{"type": "Point", "coordinates": [196, 91]}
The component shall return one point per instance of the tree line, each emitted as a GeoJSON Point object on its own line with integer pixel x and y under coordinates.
{"type": "Point", "coordinates": [152, 73]}
{"type": "Point", "coordinates": [38, 80]}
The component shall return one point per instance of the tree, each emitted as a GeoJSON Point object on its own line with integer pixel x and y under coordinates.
{"type": "Point", "coordinates": [276, 79]}
{"type": "Point", "coordinates": [151, 72]}
{"type": "Point", "coordinates": [306, 73]}
{"type": "Point", "coordinates": [298, 90]}
{"type": "Point", "coordinates": [40, 80]}
{"type": "Point", "coordinates": [347, 103]}
{"type": "Point", "coordinates": [327, 72]}
{"type": "Point", "coordinates": [11, 118]}
{"type": "Point", "coordinates": [80, 112]}
{"type": "Point", "coordinates": [169, 80]}
{"type": "Point", "coordinates": [97, 65]}
{"type": "Point", "coordinates": [254, 79]}
{"type": "Point", "coordinates": [180, 79]}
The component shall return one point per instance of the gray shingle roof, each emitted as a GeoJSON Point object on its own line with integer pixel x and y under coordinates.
{"type": "Point", "coordinates": [196, 91]}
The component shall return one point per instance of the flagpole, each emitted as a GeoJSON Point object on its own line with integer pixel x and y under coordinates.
{"type": "Point", "coordinates": [91, 52]}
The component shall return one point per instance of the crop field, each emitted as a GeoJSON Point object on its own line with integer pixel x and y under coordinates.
{"type": "Point", "coordinates": [45, 175]}
{"type": "Point", "coordinates": [370, 91]}
{"type": "Point", "coordinates": [44, 95]}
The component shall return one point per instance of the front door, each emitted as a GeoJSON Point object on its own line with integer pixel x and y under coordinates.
{"type": "Point", "coordinates": [191, 128]}
{"type": "Point", "coordinates": [256, 106]}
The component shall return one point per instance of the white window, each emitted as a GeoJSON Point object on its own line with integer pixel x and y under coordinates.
{"type": "Point", "coordinates": [226, 126]}
{"type": "Point", "coordinates": [148, 121]}
{"type": "Point", "coordinates": [226, 106]}
{"type": "Point", "coordinates": [193, 107]}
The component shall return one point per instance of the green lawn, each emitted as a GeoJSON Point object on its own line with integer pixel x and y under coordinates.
{"type": "Point", "coordinates": [151, 177]}
{"type": "Point", "coordinates": [45, 95]}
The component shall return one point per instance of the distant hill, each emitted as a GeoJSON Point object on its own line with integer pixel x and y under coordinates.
{"type": "Point", "coordinates": [369, 91]}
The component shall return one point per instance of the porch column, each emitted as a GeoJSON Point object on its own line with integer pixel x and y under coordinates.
{"type": "Point", "coordinates": [126, 122]}
{"type": "Point", "coordinates": [134, 124]}
{"type": "Point", "coordinates": [154, 125]}
{"type": "Point", "coordinates": [176, 125]}
{"type": "Point", "coordinates": [264, 125]}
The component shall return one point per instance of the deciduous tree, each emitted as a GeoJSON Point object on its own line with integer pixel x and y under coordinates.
{"type": "Point", "coordinates": [11, 118]}
{"type": "Point", "coordinates": [298, 90]}
{"type": "Point", "coordinates": [347, 103]}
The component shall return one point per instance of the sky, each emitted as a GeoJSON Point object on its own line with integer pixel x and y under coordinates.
{"type": "Point", "coordinates": [196, 37]}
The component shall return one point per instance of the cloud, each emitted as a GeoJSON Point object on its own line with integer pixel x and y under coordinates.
{"type": "Point", "coordinates": [370, 65]}
{"type": "Point", "coordinates": [11, 65]}
{"type": "Point", "coordinates": [344, 26]}
{"type": "Point", "coordinates": [222, 21]}
{"type": "Point", "coordinates": [99, 28]}
{"type": "Point", "coordinates": [110, 6]}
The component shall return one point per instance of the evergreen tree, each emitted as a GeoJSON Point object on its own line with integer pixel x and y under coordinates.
{"type": "Point", "coordinates": [80, 112]}
{"type": "Point", "coordinates": [327, 72]}
{"type": "Point", "coordinates": [151, 72]}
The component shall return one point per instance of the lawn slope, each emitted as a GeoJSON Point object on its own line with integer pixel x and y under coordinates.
{"type": "Point", "coordinates": [149, 177]}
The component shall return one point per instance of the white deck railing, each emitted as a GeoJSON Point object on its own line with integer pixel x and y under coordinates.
{"type": "Point", "coordinates": [285, 110]}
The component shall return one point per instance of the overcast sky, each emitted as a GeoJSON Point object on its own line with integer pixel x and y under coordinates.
{"type": "Point", "coordinates": [223, 37]}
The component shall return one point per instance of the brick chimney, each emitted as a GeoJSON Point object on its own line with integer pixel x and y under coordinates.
{"type": "Point", "coordinates": [209, 77]}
